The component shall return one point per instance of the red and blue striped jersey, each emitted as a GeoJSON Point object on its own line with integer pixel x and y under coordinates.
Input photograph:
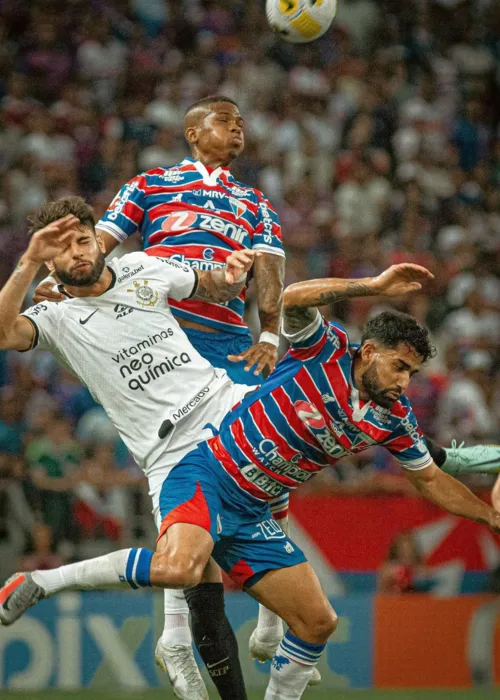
{"type": "Point", "coordinates": [307, 415]}
{"type": "Point", "coordinates": [196, 216]}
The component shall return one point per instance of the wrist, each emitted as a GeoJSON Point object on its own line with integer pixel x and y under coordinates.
{"type": "Point", "coordinates": [268, 337]}
{"type": "Point", "coordinates": [28, 261]}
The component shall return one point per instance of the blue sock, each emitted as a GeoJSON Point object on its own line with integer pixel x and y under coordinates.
{"type": "Point", "coordinates": [303, 652]}
{"type": "Point", "coordinates": [137, 568]}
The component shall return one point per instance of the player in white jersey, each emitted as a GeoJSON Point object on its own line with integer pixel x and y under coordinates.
{"type": "Point", "coordinates": [116, 333]}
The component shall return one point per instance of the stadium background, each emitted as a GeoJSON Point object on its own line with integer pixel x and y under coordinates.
{"type": "Point", "coordinates": [378, 143]}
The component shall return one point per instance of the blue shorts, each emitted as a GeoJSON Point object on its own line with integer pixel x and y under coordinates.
{"type": "Point", "coordinates": [247, 541]}
{"type": "Point", "coordinates": [215, 347]}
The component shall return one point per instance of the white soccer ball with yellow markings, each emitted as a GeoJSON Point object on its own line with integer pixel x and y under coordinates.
{"type": "Point", "coordinates": [300, 21]}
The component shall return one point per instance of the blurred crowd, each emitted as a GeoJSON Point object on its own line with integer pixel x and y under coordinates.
{"type": "Point", "coordinates": [378, 143]}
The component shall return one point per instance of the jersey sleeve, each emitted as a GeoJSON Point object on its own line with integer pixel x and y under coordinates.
{"type": "Point", "coordinates": [125, 214]}
{"type": "Point", "coordinates": [318, 338]}
{"type": "Point", "coordinates": [267, 235]}
{"type": "Point", "coordinates": [408, 445]}
{"type": "Point", "coordinates": [180, 279]}
{"type": "Point", "coordinates": [44, 318]}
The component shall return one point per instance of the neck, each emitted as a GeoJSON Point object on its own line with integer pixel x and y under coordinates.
{"type": "Point", "coordinates": [96, 289]}
{"type": "Point", "coordinates": [357, 374]}
{"type": "Point", "coordinates": [210, 160]}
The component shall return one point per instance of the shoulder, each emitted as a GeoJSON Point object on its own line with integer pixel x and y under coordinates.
{"type": "Point", "coordinates": [171, 174]}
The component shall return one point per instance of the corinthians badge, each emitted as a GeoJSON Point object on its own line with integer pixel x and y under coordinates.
{"type": "Point", "coordinates": [144, 295]}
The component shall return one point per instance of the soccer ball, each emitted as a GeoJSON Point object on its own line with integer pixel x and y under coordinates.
{"type": "Point", "coordinates": [300, 21]}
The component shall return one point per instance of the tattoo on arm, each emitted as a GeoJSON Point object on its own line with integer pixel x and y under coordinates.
{"type": "Point", "coordinates": [298, 317]}
{"type": "Point", "coordinates": [269, 273]}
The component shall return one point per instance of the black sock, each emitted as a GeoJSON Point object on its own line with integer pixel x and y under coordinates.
{"type": "Point", "coordinates": [437, 452]}
{"type": "Point", "coordinates": [215, 639]}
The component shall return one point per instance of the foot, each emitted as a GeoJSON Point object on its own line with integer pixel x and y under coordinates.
{"type": "Point", "coordinates": [261, 651]}
{"type": "Point", "coordinates": [18, 594]}
{"type": "Point", "coordinates": [179, 664]}
{"type": "Point", "coordinates": [481, 459]}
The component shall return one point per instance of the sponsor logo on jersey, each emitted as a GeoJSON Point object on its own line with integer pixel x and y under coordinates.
{"type": "Point", "coordinates": [122, 310]}
{"type": "Point", "coordinates": [382, 415]}
{"type": "Point", "coordinates": [127, 272]}
{"type": "Point", "coordinates": [126, 354]}
{"type": "Point", "coordinates": [37, 310]}
{"type": "Point", "coordinates": [271, 530]}
{"type": "Point", "coordinates": [263, 481]}
{"type": "Point", "coordinates": [146, 369]}
{"type": "Point", "coordinates": [206, 264]}
{"type": "Point", "coordinates": [144, 295]}
{"type": "Point", "coordinates": [316, 424]}
{"type": "Point", "coordinates": [268, 222]}
{"type": "Point", "coordinates": [180, 221]}
{"type": "Point", "coordinates": [187, 408]}
{"type": "Point", "coordinates": [172, 175]}
{"type": "Point", "coordinates": [240, 191]}
{"type": "Point", "coordinates": [414, 433]}
{"type": "Point", "coordinates": [119, 201]}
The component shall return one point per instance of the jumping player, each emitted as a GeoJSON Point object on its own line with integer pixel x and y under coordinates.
{"type": "Point", "coordinates": [116, 332]}
{"type": "Point", "coordinates": [326, 399]}
{"type": "Point", "coordinates": [195, 212]}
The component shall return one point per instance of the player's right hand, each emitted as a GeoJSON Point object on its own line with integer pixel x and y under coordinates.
{"type": "Point", "coordinates": [50, 241]}
{"type": "Point", "coordinates": [46, 292]}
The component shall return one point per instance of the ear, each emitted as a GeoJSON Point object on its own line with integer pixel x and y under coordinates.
{"type": "Point", "coordinates": [100, 242]}
{"type": "Point", "coordinates": [191, 135]}
{"type": "Point", "coordinates": [367, 351]}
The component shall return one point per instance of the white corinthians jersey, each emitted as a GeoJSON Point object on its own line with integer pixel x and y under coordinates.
{"type": "Point", "coordinates": [129, 350]}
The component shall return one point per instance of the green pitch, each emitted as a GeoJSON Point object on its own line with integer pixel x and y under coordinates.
{"type": "Point", "coordinates": [489, 694]}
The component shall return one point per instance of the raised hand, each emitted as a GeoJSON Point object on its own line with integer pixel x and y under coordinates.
{"type": "Point", "coordinates": [238, 263]}
{"type": "Point", "coordinates": [50, 241]}
{"type": "Point", "coordinates": [401, 279]}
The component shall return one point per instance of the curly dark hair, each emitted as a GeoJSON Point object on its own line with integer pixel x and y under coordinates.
{"type": "Point", "coordinates": [52, 211]}
{"type": "Point", "coordinates": [391, 328]}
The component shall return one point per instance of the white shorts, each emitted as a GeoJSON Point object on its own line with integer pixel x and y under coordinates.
{"type": "Point", "coordinates": [187, 434]}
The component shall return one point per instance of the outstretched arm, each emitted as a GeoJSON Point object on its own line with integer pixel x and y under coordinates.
{"type": "Point", "coordinates": [17, 332]}
{"type": "Point", "coordinates": [269, 273]}
{"type": "Point", "coordinates": [448, 493]}
{"type": "Point", "coordinates": [301, 299]}
{"type": "Point", "coordinates": [225, 283]}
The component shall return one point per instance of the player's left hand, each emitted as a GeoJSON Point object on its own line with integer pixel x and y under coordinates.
{"type": "Point", "coordinates": [401, 279]}
{"type": "Point", "coordinates": [260, 354]}
{"type": "Point", "coordinates": [239, 263]}
{"type": "Point", "coordinates": [494, 521]}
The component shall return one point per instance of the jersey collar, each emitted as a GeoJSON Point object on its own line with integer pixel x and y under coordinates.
{"type": "Point", "coordinates": [210, 175]}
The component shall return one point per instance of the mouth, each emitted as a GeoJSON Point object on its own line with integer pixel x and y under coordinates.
{"type": "Point", "coordinates": [81, 266]}
{"type": "Point", "coordinates": [395, 395]}
{"type": "Point", "coordinates": [237, 140]}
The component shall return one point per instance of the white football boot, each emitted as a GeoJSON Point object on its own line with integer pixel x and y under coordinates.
{"type": "Point", "coordinates": [179, 664]}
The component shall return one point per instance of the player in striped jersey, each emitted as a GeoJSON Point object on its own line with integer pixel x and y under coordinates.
{"type": "Point", "coordinates": [195, 212]}
{"type": "Point", "coordinates": [327, 398]}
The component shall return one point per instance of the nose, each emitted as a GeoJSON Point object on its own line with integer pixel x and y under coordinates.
{"type": "Point", "coordinates": [403, 382]}
{"type": "Point", "coordinates": [236, 129]}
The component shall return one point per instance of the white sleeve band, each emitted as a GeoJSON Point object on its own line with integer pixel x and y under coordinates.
{"type": "Point", "coordinates": [272, 338]}
{"type": "Point", "coordinates": [50, 280]}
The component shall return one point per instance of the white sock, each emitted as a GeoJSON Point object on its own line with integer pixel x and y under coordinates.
{"type": "Point", "coordinates": [176, 629]}
{"type": "Point", "coordinates": [269, 625]}
{"type": "Point", "coordinates": [292, 667]}
{"type": "Point", "coordinates": [126, 567]}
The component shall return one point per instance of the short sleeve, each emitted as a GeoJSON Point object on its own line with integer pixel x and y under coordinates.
{"type": "Point", "coordinates": [319, 337]}
{"type": "Point", "coordinates": [408, 446]}
{"type": "Point", "coordinates": [125, 214]}
{"type": "Point", "coordinates": [267, 235]}
{"type": "Point", "coordinates": [181, 280]}
{"type": "Point", "coordinates": [44, 318]}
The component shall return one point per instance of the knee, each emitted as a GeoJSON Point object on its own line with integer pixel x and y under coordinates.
{"type": "Point", "coordinates": [325, 623]}
{"type": "Point", "coordinates": [317, 625]}
{"type": "Point", "coordinates": [177, 571]}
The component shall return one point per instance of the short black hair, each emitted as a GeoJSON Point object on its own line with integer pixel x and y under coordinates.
{"type": "Point", "coordinates": [391, 328]}
{"type": "Point", "coordinates": [210, 100]}
{"type": "Point", "coordinates": [52, 211]}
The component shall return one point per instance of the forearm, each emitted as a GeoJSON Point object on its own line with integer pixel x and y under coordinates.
{"type": "Point", "coordinates": [321, 292]}
{"type": "Point", "coordinates": [212, 286]}
{"type": "Point", "coordinates": [269, 278]}
{"type": "Point", "coordinates": [13, 293]}
{"type": "Point", "coordinates": [453, 496]}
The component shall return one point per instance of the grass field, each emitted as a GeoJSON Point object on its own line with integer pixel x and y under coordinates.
{"type": "Point", "coordinates": [90, 694]}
